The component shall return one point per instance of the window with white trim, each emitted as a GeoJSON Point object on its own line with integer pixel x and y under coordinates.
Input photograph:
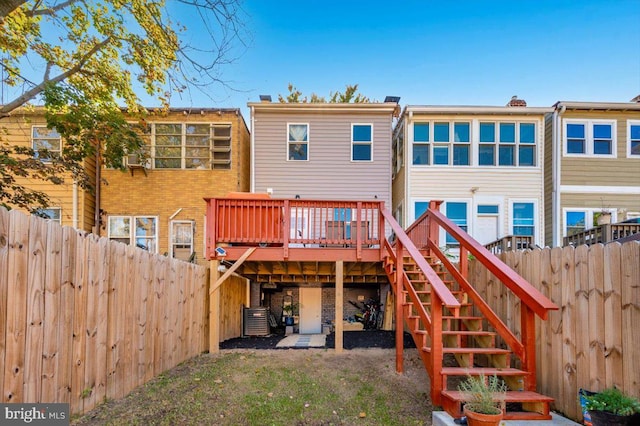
{"type": "Point", "coordinates": [181, 239]}
{"type": "Point", "coordinates": [507, 144]}
{"type": "Point", "coordinates": [139, 230]}
{"type": "Point", "coordinates": [50, 213]}
{"type": "Point", "coordinates": [594, 138]}
{"type": "Point", "coordinates": [298, 142]}
{"type": "Point", "coordinates": [442, 143]}
{"type": "Point", "coordinates": [200, 146]}
{"type": "Point", "coordinates": [523, 218]}
{"type": "Point", "coordinates": [633, 134]}
{"type": "Point", "coordinates": [398, 150]}
{"type": "Point", "coordinates": [46, 143]}
{"type": "Point", "coordinates": [457, 212]}
{"type": "Point", "coordinates": [361, 142]}
{"type": "Point", "coordinates": [579, 219]}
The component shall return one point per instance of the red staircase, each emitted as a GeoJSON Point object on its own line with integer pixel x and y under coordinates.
{"type": "Point", "coordinates": [455, 330]}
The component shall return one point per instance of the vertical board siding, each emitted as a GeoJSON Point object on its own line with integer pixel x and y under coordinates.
{"type": "Point", "coordinates": [90, 319]}
{"type": "Point", "coordinates": [591, 342]}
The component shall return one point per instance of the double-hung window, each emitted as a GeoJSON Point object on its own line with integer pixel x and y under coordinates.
{"type": "Point", "coordinates": [590, 138]}
{"type": "Point", "coordinates": [507, 144]}
{"type": "Point", "coordinates": [298, 142]}
{"type": "Point", "coordinates": [457, 212]}
{"type": "Point", "coordinates": [577, 220]}
{"type": "Point", "coordinates": [421, 143]}
{"type": "Point", "coordinates": [181, 239]}
{"type": "Point", "coordinates": [191, 146]}
{"type": "Point", "coordinates": [138, 230]}
{"type": "Point", "coordinates": [441, 143]}
{"type": "Point", "coordinates": [46, 143]}
{"type": "Point", "coordinates": [361, 142]}
{"type": "Point", "coordinates": [523, 218]}
{"type": "Point", "coordinates": [633, 132]}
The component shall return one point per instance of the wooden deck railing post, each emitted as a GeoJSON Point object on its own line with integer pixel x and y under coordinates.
{"type": "Point", "coordinates": [436, 348]}
{"type": "Point", "coordinates": [286, 227]}
{"type": "Point", "coordinates": [528, 330]}
{"type": "Point", "coordinates": [358, 230]}
{"type": "Point", "coordinates": [399, 306]}
{"type": "Point", "coordinates": [464, 262]}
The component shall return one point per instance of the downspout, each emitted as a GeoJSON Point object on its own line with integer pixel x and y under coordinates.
{"type": "Point", "coordinates": [407, 173]}
{"type": "Point", "coordinates": [556, 158]}
{"type": "Point", "coordinates": [252, 168]}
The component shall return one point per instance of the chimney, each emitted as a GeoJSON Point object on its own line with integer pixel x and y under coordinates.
{"type": "Point", "coordinates": [636, 99]}
{"type": "Point", "coordinates": [515, 102]}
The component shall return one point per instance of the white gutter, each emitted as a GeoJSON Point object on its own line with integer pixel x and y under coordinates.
{"type": "Point", "coordinates": [253, 153]}
{"type": "Point", "coordinates": [75, 205]}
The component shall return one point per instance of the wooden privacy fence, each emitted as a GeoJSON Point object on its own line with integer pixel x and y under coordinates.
{"type": "Point", "coordinates": [593, 341]}
{"type": "Point", "coordinates": [83, 319]}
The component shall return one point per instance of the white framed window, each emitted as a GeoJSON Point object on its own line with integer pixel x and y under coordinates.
{"type": "Point", "coordinates": [590, 138]}
{"type": "Point", "coordinates": [442, 143]}
{"type": "Point", "coordinates": [46, 143]}
{"type": "Point", "coordinates": [361, 142]}
{"type": "Point", "coordinates": [298, 142]}
{"type": "Point", "coordinates": [181, 239]}
{"type": "Point", "coordinates": [196, 146]}
{"type": "Point", "coordinates": [419, 207]}
{"type": "Point", "coordinates": [51, 213]}
{"type": "Point", "coordinates": [524, 217]}
{"type": "Point", "coordinates": [507, 144]}
{"type": "Point", "coordinates": [398, 149]}
{"type": "Point", "coordinates": [458, 213]}
{"type": "Point", "coordinates": [139, 230]}
{"type": "Point", "coordinates": [633, 136]}
{"type": "Point", "coordinates": [578, 219]}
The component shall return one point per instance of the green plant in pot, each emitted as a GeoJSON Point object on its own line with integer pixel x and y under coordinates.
{"type": "Point", "coordinates": [289, 310]}
{"type": "Point", "coordinates": [612, 407]}
{"type": "Point", "coordinates": [484, 399]}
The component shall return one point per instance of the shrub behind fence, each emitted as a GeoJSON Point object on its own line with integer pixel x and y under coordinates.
{"type": "Point", "coordinates": [83, 319]}
{"type": "Point", "coordinates": [593, 340]}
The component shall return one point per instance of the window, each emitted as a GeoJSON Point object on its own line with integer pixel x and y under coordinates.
{"type": "Point", "coordinates": [181, 244]}
{"type": "Point", "coordinates": [433, 143]}
{"type": "Point", "coordinates": [50, 213]}
{"type": "Point", "coordinates": [575, 222]}
{"type": "Point", "coordinates": [398, 149]}
{"type": "Point", "coordinates": [516, 144]}
{"type": "Point", "coordinates": [344, 216]}
{"type": "Point", "coordinates": [419, 207]}
{"type": "Point", "coordinates": [298, 142]}
{"type": "Point", "coordinates": [191, 146]}
{"type": "Point", "coordinates": [420, 143]}
{"type": "Point", "coordinates": [590, 138]}
{"type": "Point", "coordinates": [138, 230]}
{"type": "Point", "coordinates": [45, 142]}
{"type": "Point", "coordinates": [523, 219]}
{"type": "Point", "coordinates": [361, 142]}
{"type": "Point", "coordinates": [457, 212]}
{"type": "Point", "coordinates": [633, 132]}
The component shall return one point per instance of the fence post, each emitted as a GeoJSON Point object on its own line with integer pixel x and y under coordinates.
{"type": "Point", "coordinates": [399, 307]}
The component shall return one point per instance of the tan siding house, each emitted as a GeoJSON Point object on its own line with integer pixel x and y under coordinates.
{"type": "Point", "coordinates": [595, 165]}
{"type": "Point", "coordinates": [159, 204]}
{"type": "Point", "coordinates": [322, 151]}
{"type": "Point", "coordinates": [69, 204]}
{"type": "Point", "coordinates": [486, 163]}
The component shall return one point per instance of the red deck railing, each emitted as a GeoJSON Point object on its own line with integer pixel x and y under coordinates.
{"type": "Point", "coordinates": [266, 222]}
{"type": "Point", "coordinates": [424, 233]}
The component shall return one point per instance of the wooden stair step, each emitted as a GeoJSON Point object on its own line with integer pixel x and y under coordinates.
{"type": "Point", "coordinates": [535, 404]}
{"type": "Point", "coordinates": [484, 351]}
{"type": "Point", "coordinates": [459, 332]}
{"type": "Point", "coordinates": [487, 371]}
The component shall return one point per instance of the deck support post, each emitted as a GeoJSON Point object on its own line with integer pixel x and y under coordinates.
{"type": "Point", "coordinates": [214, 308]}
{"type": "Point", "coordinates": [399, 308]}
{"type": "Point", "coordinates": [339, 306]}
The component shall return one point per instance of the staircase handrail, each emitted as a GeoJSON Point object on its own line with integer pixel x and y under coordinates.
{"type": "Point", "coordinates": [530, 296]}
{"type": "Point", "coordinates": [438, 287]}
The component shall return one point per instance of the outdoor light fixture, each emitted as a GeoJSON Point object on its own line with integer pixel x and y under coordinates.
{"type": "Point", "coordinates": [394, 99]}
{"type": "Point", "coordinates": [221, 252]}
{"type": "Point", "coordinates": [297, 197]}
{"type": "Point", "coordinates": [265, 98]}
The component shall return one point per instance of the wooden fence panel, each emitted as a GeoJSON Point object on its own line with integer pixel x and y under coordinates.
{"type": "Point", "coordinates": [67, 302]}
{"type": "Point", "coordinates": [17, 267]}
{"type": "Point", "coordinates": [4, 283]}
{"type": "Point", "coordinates": [78, 391]}
{"type": "Point", "coordinates": [630, 301]}
{"type": "Point", "coordinates": [52, 284]}
{"type": "Point", "coordinates": [591, 342]}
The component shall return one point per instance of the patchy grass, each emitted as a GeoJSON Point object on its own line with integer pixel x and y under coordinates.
{"type": "Point", "coordinates": [278, 387]}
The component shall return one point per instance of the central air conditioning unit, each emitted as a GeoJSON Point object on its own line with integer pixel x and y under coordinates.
{"type": "Point", "coordinates": [255, 322]}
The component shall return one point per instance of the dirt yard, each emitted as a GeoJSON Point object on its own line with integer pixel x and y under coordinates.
{"type": "Point", "coordinates": [279, 387]}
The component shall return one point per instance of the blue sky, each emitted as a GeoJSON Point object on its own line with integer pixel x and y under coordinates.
{"type": "Point", "coordinates": [438, 52]}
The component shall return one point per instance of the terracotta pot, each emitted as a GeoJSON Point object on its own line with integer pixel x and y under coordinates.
{"type": "Point", "coordinates": [478, 419]}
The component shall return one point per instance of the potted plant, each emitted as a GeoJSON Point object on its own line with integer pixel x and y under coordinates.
{"type": "Point", "coordinates": [484, 399]}
{"type": "Point", "coordinates": [612, 407]}
{"type": "Point", "coordinates": [289, 310]}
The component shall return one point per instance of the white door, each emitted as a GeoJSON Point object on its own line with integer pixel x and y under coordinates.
{"type": "Point", "coordinates": [310, 310]}
{"type": "Point", "coordinates": [486, 229]}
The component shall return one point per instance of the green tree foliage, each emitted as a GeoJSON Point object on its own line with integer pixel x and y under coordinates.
{"type": "Point", "coordinates": [350, 95]}
{"type": "Point", "coordinates": [94, 56]}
